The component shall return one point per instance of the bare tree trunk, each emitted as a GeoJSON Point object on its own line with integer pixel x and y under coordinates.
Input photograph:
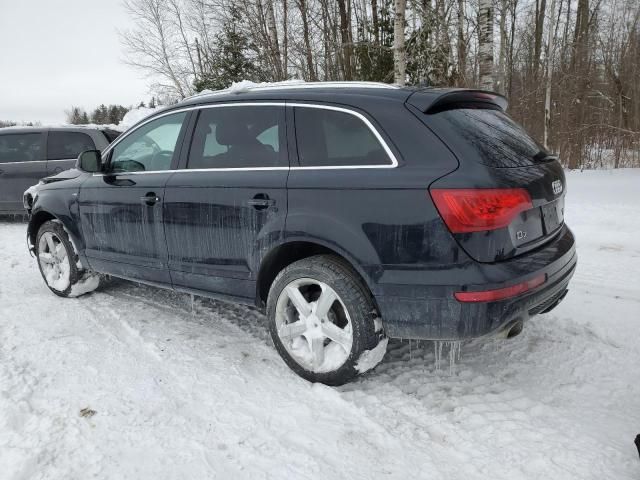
{"type": "Point", "coordinates": [178, 16]}
{"type": "Point", "coordinates": [302, 6]}
{"type": "Point", "coordinates": [375, 22]}
{"type": "Point", "coordinates": [580, 70]}
{"type": "Point", "coordinates": [399, 53]}
{"type": "Point", "coordinates": [462, 45]}
{"type": "Point", "coordinates": [485, 47]}
{"type": "Point", "coordinates": [537, 48]}
{"type": "Point", "coordinates": [345, 36]}
{"type": "Point", "coordinates": [273, 34]}
{"type": "Point", "coordinates": [501, 71]}
{"type": "Point", "coordinates": [285, 39]}
{"type": "Point", "coordinates": [547, 92]}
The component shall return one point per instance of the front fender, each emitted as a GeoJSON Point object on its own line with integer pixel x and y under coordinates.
{"type": "Point", "coordinates": [60, 204]}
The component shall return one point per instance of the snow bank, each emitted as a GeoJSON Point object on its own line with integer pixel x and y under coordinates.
{"type": "Point", "coordinates": [184, 392]}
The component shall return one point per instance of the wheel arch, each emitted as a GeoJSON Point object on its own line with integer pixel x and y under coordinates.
{"type": "Point", "coordinates": [35, 222]}
{"type": "Point", "coordinates": [291, 251]}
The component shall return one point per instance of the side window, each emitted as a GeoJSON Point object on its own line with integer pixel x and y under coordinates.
{"type": "Point", "coordinates": [330, 138]}
{"type": "Point", "coordinates": [239, 137]}
{"type": "Point", "coordinates": [150, 147]}
{"type": "Point", "coordinates": [67, 145]}
{"type": "Point", "coordinates": [20, 147]}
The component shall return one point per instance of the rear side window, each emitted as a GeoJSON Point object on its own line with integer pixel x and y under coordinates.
{"type": "Point", "coordinates": [67, 145]}
{"type": "Point", "coordinates": [239, 137]}
{"type": "Point", "coordinates": [20, 147]}
{"type": "Point", "coordinates": [495, 138]}
{"type": "Point", "coordinates": [331, 138]}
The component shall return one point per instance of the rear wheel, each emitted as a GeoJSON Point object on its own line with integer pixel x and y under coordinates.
{"type": "Point", "coordinates": [323, 321]}
{"type": "Point", "coordinates": [59, 263]}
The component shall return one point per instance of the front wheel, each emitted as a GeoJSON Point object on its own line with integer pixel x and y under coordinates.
{"type": "Point", "coordinates": [59, 263]}
{"type": "Point", "coordinates": [323, 321]}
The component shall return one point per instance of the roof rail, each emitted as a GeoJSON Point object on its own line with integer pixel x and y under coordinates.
{"type": "Point", "coordinates": [248, 86]}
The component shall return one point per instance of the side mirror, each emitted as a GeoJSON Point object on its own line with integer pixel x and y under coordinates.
{"type": "Point", "coordinates": [89, 161]}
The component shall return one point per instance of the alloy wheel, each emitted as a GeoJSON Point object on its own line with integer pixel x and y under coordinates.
{"type": "Point", "coordinates": [314, 326]}
{"type": "Point", "coordinates": [54, 261]}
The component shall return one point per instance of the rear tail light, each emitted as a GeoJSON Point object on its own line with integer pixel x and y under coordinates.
{"type": "Point", "coordinates": [480, 209]}
{"type": "Point", "coordinates": [501, 293]}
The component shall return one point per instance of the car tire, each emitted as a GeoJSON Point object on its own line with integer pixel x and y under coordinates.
{"type": "Point", "coordinates": [323, 321]}
{"type": "Point", "coordinates": [59, 264]}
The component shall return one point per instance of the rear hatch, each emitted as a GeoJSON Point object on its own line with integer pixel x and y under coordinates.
{"type": "Point", "coordinates": [507, 195]}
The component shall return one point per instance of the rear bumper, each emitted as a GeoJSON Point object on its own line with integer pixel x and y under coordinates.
{"type": "Point", "coordinates": [413, 310]}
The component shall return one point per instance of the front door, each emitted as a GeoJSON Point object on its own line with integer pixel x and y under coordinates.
{"type": "Point", "coordinates": [22, 164]}
{"type": "Point", "coordinates": [227, 206]}
{"type": "Point", "coordinates": [121, 209]}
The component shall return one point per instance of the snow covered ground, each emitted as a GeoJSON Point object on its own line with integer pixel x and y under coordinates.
{"type": "Point", "coordinates": [168, 391]}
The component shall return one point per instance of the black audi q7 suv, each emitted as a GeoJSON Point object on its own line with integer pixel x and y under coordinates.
{"type": "Point", "coordinates": [28, 154]}
{"type": "Point", "coordinates": [348, 212]}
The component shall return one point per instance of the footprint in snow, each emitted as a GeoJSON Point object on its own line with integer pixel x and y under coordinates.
{"type": "Point", "coordinates": [87, 412]}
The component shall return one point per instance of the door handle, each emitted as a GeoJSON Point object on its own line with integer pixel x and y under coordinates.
{"type": "Point", "coordinates": [150, 199]}
{"type": "Point", "coordinates": [261, 202]}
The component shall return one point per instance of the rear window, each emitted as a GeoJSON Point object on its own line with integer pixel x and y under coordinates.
{"type": "Point", "coordinates": [493, 136]}
{"type": "Point", "coordinates": [67, 145]}
{"type": "Point", "coordinates": [20, 147]}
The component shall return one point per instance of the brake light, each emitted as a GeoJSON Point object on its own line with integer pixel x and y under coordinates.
{"type": "Point", "coordinates": [501, 293]}
{"type": "Point", "coordinates": [480, 209]}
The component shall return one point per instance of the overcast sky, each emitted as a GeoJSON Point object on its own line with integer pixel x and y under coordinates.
{"type": "Point", "coordinates": [58, 53]}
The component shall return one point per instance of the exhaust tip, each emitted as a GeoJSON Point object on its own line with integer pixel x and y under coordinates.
{"type": "Point", "coordinates": [514, 329]}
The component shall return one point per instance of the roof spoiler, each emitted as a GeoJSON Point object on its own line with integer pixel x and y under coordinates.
{"type": "Point", "coordinates": [432, 100]}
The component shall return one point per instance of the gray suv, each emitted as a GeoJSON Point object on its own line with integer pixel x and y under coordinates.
{"type": "Point", "coordinates": [31, 153]}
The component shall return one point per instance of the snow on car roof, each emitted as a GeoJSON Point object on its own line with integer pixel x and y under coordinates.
{"type": "Point", "coordinates": [247, 86]}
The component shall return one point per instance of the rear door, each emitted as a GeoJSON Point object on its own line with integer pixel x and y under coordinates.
{"type": "Point", "coordinates": [22, 164]}
{"type": "Point", "coordinates": [63, 148]}
{"type": "Point", "coordinates": [227, 205]}
{"type": "Point", "coordinates": [121, 210]}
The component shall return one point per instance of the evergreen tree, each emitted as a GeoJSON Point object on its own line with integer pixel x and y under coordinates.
{"type": "Point", "coordinates": [76, 115]}
{"type": "Point", "coordinates": [376, 57]}
{"type": "Point", "coordinates": [231, 62]}
{"type": "Point", "coordinates": [114, 114]}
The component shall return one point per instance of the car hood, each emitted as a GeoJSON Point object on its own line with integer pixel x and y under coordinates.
{"type": "Point", "coordinates": [31, 193]}
{"type": "Point", "coordinates": [66, 175]}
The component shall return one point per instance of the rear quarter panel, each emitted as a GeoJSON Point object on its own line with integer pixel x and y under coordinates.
{"type": "Point", "coordinates": [382, 218]}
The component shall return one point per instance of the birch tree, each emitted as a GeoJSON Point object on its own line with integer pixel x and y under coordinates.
{"type": "Point", "coordinates": [399, 53]}
{"type": "Point", "coordinates": [485, 44]}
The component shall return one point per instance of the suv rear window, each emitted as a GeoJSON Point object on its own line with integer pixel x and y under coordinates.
{"type": "Point", "coordinates": [494, 137]}
{"type": "Point", "coordinates": [67, 145]}
{"type": "Point", "coordinates": [20, 147]}
{"type": "Point", "coordinates": [331, 138]}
